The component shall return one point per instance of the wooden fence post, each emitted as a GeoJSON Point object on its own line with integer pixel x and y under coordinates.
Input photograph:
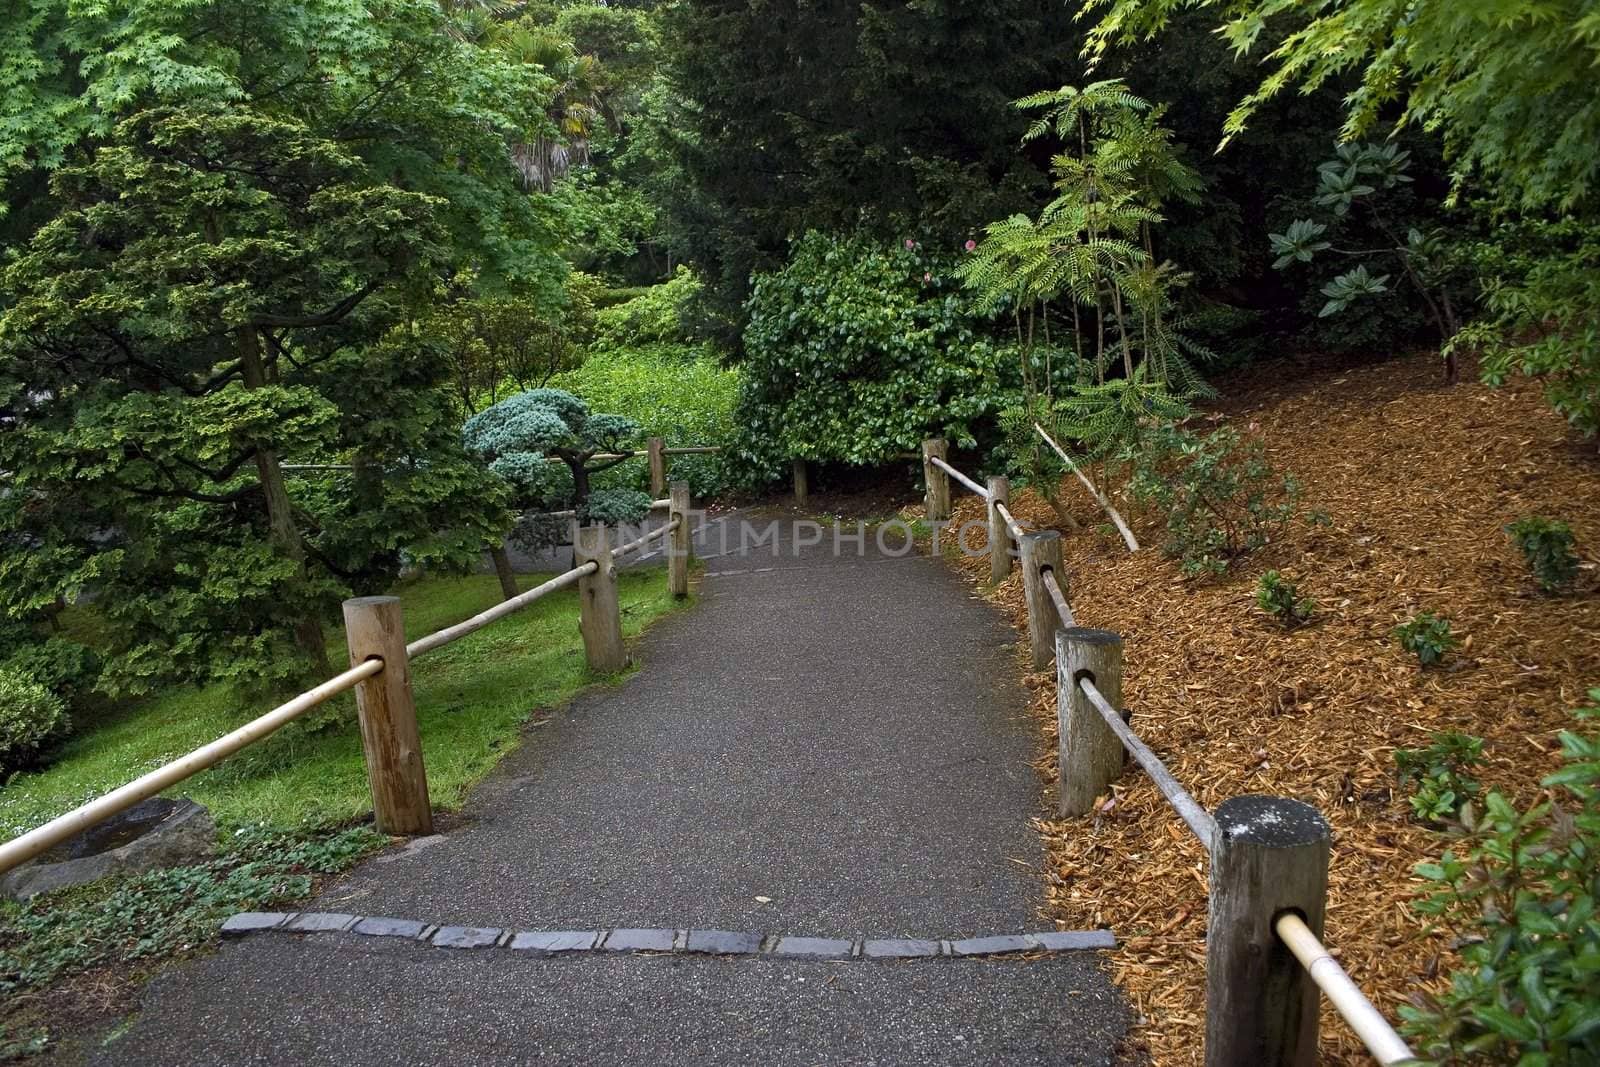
{"type": "Point", "coordinates": [999, 533]}
{"type": "Point", "coordinates": [1269, 855]}
{"type": "Point", "coordinates": [801, 488]}
{"type": "Point", "coordinates": [1089, 754]}
{"type": "Point", "coordinates": [680, 546]}
{"type": "Point", "coordinates": [374, 630]}
{"type": "Point", "coordinates": [599, 618]}
{"type": "Point", "coordinates": [937, 495]}
{"type": "Point", "coordinates": [1038, 551]}
{"type": "Point", "coordinates": [656, 450]}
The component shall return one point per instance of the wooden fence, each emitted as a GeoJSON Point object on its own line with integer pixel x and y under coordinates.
{"type": "Point", "coordinates": [380, 674]}
{"type": "Point", "coordinates": [1265, 960]}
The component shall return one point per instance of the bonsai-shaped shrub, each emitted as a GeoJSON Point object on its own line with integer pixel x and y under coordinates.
{"type": "Point", "coordinates": [30, 717]}
{"type": "Point", "coordinates": [520, 435]}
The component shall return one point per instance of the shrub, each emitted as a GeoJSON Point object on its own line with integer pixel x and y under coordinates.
{"type": "Point", "coordinates": [1440, 773]}
{"type": "Point", "coordinates": [857, 350]}
{"type": "Point", "coordinates": [1220, 496]}
{"type": "Point", "coordinates": [64, 667]}
{"type": "Point", "coordinates": [615, 507]}
{"type": "Point", "coordinates": [1517, 890]}
{"type": "Point", "coordinates": [1547, 546]}
{"type": "Point", "coordinates": [1278, 597]}
{"type": "Point", "coordinates": [30, 717]}
{"type": "Point", "coordinates": [677, 392]}
{"type": "Point", "coordinates": [1427, 637]}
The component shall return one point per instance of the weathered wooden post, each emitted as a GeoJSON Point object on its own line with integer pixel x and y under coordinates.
{"type": "Point", "coordinates": [374, 630]}
{"type": "Point", "coordinates": [680, 547]}
{"type": "Point", "coordinates": [999, 533]}
{"type": "Point", "coordinates": [937, 496]}
{"type": "Point", "coordinates": [1038, 551]}
{"type": "Point", "coordinates": [1089, 754]}
{"type": "Point", "coordinates": [599, 619]}
{"type": "Point", "coordinates": [1268, 855]}
{"type": "Point", "coordinates": [801, 488]}
{"type": "Point", "coordinates": [656, 450]}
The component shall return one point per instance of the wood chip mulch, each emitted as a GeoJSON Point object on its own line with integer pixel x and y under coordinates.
{"type": "Point", "coordinates": [1419, 480]}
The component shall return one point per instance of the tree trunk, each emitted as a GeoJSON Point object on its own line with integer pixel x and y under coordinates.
{"type": "Point", "coordinates": [281, 528]}
{"type": "Point", "coordinates": [503, 571]}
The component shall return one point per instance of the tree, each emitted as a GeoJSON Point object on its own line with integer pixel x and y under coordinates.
{"type": "Point", "coordinates": [252, 204]}
{"type": "Point", "coordinates": [1510, 85]}
{"type": "Point", "coordinates": [518, 437]}
{"type": "Point", "coordinates": [837, 116]}
{"type": "Point", "coordinates": [1092, 249]}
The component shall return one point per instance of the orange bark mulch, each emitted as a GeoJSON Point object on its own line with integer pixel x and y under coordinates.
{"type": "Point", "coordinates": [1419, 480]}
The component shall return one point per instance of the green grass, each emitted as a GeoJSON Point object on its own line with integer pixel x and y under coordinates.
{"type": "Point", "coordinates": [472, 698]}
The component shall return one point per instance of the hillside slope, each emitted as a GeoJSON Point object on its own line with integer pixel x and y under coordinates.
{"type": "Point", "coordinates": [1419, 481]}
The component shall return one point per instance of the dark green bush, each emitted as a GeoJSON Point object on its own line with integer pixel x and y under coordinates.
{"type": "Point", "coordinates": [1547, 546]}
{"type": "Point", "coordinates": [1517, 891]}
{"type": "Point", "coordinates": [1426, 636]}
{"type": "Point", "coordinates": [857, 350]}
{"type": "Point", "coordinates": [64, 667]}
{"type": "Point", "coordinates": [30, 718]}
{"type": "Point", "coordinates": [1219, 495]}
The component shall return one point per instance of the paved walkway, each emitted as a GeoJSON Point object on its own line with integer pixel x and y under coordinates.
{"type": "Point", "coordinates": [824, 746]}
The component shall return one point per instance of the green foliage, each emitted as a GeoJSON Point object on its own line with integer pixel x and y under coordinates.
{"type": "Point", "coordinates": [655, 316]}
{"type": "Point", "coordinates": [1518, 890]}
{"type": "Point", "coordinates": [30, 718]}
{"type": "Point", "coordinates": [65, 667]}
{"type": "Point", "coordinates": [500, 341]}
{"type": "Point", "coordinates": [887, 117]}
{"type": "Point", "coordinates": [857, 351]}
{"type": "Point", "coordinates": [1441, 774]}
{"type": "Point", "coordinates": [615, 507]}
{"type": "Point", "coordinates": [1541, 282]}
{"type": "Point", "coordinates": [1280, 598]}
{"type": "Point", "coordinates": [1426, 636]}
{"type": "Point", "coordinates": [1373, 179]}
{"type": "Point", "coordinates": [1220, 496]}
{"type": "Point", "coordinates": [166, 912]}
{"type": "Point", "coordinates": [673, 391]}
{"type": "Point", "coordinates": [1511, 88]}
{"type": "Point", "coordinates": [517, 435]}
{"type": "Point", "coordinates": [248, 207]}
{"type": "Point", "coordinates": [1547, 546]}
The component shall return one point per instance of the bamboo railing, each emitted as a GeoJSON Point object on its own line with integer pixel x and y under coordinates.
{"type": "Point", "coordinates": [1265, 961]}
{"type": "Point", "coordinates": [380, 674]}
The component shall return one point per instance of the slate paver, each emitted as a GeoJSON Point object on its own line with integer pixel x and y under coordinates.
{"type": "Point", "coordinates": [723, 942]}
{"type": "Point", "coordinates": [376, 926]}
{"type": "Point", "coordinates": [630, 940]}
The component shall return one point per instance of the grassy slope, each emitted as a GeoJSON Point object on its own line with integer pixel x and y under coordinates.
{"type": "Point", "coordinates": [472, 696]}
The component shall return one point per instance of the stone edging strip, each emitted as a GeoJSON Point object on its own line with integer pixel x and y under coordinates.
{"type": "Point", "coordinates": [698, 942]}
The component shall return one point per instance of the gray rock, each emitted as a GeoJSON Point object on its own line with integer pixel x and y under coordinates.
{"type": "Point", "coordinates": [153, 833]}
{"type": "Point", "coordinates": [378, 927]}
{"type": "Point", "coordinates": [723, 942]}
{"type": "Point", "coordinates": [1075, 940]}
{"type": "Point", "coordinates": [467, 936]}
{"type": "Point", "coordinates": [814, 948]}
{"type": "Point", "coordinates": [320, 922]}
{"type": "Point", "coordinates": [253, 922]}
{"type": "Point", "coordinates": [640, 941]}
{"type": "Point", "coordinates": [551, 942]}
{"type": "Point", "coordinates": [898, 949]}
{"type": "Point", "coordinates": [991, 946]}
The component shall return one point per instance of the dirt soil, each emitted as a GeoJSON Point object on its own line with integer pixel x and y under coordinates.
{"type": "Point", "coordinates": [1419, 480]}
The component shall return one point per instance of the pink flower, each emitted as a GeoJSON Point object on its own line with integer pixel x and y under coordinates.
{"type": "Point", "coordinates": [970, 245]}
{"type": "Point", "coordinates": [910, 244]}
